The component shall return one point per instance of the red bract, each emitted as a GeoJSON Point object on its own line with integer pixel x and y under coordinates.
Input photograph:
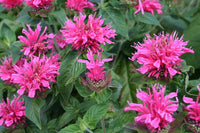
{"type": "Point", "coordinates": [34, 42]}
{"type": "Point", "coordinates": [156, 111]}
{"type": "Point", "coordinates": [6, 70]}
{"type": "Point", "coordinates": [11, 3]}
{"type": "Point", "coordinates": [148, 6]}
{"type": "Point", "coordinates": [160, 55]}
{"type": "Point", "coordinates": [12, 114]}
{"type": "Point", "coordinates": [193, 108]}
{"type": "Point", "coordinates": [35, 75]}
{"type": "Point", "coordinates": [79, 5]}
{"type": "Point", "coordinates": [39, 4]}
{"type": "Point", "coordinates": [87, 36]}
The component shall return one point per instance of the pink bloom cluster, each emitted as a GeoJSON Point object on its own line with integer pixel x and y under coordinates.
{"type": "Point", "coordinates": [39, 4]}
{"type": "Point", "coordinates": [87, 36]}
{"type": "Point", "coordinates": [12, 114]}
{"type": "Point", "coordinates": [148, 6]}
{"type": "Point", "coordinates": [59, 40]}
{"type": "Point", "coordinates": [35, 42]}
{"type": "Point", "coordinates": [157, 110]}
{"type": "Point", "coordinates": [11, 3]}
{"type": "Point", "coordinates": [79, 5]}
{"type": "Point", "coordinates": [193, 108]}
{"type": "Point", "coordinates": [160, 55]}
{"type": "Point", "coordinates": [34, 76]}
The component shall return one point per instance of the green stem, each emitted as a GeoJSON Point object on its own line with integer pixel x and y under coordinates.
{"type": "Point", "coordinates": [88, 130]}
{"type": "Point", "coordinates": [103, 125]}
{"type": "Point", "coordinates": [102, 2]}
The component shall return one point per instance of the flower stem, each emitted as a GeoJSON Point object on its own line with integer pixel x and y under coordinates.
{"type": "Point", "coordinates": [103, 125]}
{"type": "Point", "coordinates": [88, 130]}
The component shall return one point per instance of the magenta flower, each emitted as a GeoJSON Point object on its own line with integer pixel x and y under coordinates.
{"type": "Point", "coordinates": [97, 73]}
{"type": "Point", "coordinates": [79, 5]}
{"type": "Point", "coordinates": [148, 6]}
{"type": "Point", "coordinates": [12, 114]}
{"type": "Point", "coordinates": [156, 111]}
{"type": "Point", "coordinates": [59, 40]}
{"type": "Point", "coordinates": [6, 70]}
{"type": "Point", "coordinates": [34, 42]}
{"type": "Point", "coordinates": [39, 4]}
{"type": "Point", "coordinates": [87, 36]}
{"type": "Point", "coordinates": [36, 75]}
{"type": "Point", "coordinates": [11, 3]}
{"type": "Point", "coordinates": [193, 108]}
{"type": "Point", "coordinates": [160, 55]}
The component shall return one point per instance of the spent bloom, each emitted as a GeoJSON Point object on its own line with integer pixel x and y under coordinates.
{"type": "Point", "coordinates": [36, 75]}
{"type": "Point", "coordinates": [193, 109]}
{"type": "Point", "coordinates": [79, 5]}
{"type": "Point", "coordinates": [12, 113]}
{"type": "Point", "coordinates": [11, 3]}
{"type": "Point", "coordinates": [34, 42]}
{"type": "Point", "coordinates": [148, 6]}
{"type": "Point", "coordinates": [39, 4]}
{"type": "Point", "coordinates": [6, 70]}
{"type": "Point", "coordinates": [96, 72]}
{"type": "Point", "coordinates": [87, 36]}
{"type": "Point", "coordinates": [156, 111]}
{"type": "Point", "coordinates": [160, 55]}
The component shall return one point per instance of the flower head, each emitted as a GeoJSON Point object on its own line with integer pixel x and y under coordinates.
{"type": "Point", "coordinates": [11, 3]}
{"type": "Point", "coordinates": [160, 55]}
{"type": "Point", "coordinates": [156, 111]}
{"type": "Point", "coordinates": [12, 113]}
{"type": "Point", "coordinates": [87, 36]}
{"type": "Point", "coordinates": [35, 42]}
{"type": "Point", "coordinates": [34, 76]}
{"type": "Point", "coordinates": [6, 70]}
{"type": "Point", "coordinates": [193, 108]}
{"type": "Point", "coordinates": [96, 72]}
{"type": "Point", "coordinates": [39, 4]}
{"type": "Point", "coordinates": [79, 5]}
{"type": "Point", "coordinates": [148, 6]}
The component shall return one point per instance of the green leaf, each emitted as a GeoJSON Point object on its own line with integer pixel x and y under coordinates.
{"type": "Point", "coordinates": [95, 113]}
{"type": "Point", "coordinates": [83, 91]}
{"type": "Point", "coordinates": [33, 110]}
{"type": "Point", "coordinates": [148, 18]}
{"type": "Point", "coordinates": [103, 95]}
{"type": "Point", "coordinates": [74, 128]}
{"type": "Point", "coordinates": [7, 33]}
{"type": "Point", "coordinates": [15, 51]}
{"type": "Point", "coordinates": [117, 20]}
{"type": "Point", "coordinates": [60, 16]}
{"type": "Point", "coordinates": [192, 34]}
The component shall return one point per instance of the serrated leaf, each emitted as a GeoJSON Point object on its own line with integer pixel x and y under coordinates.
{"type": "Point", "coordinates": [33, 110]}
{"type": "Point", "coordinates": [117, 20]}
{"type": "Point", "coordinates": [7, 33]}
{"type": "Point", "coordinates": [148, 18]}
{"type": "Point", "coordinates": [74, 128]}
{"type": "Point", "coordinates": [95, 113]}
{"type": "Point", "coordinates": [103, 96]}
{"type": "Point", "coordinates": [83, 91]}
{"type": "Point", "coordinates": [60, 16]}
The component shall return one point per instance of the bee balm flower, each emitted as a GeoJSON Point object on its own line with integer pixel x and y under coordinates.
{"type": "Point", "coordinates": [156, 111]}
{"type": "Point", "coordinates": [11, 3]}
{"type": "Point", "coordinates": [79, 5]}
{"type": "Point", "coordinates": [39, 4]}
{"type": "Point", "coordinates": [160, 55]}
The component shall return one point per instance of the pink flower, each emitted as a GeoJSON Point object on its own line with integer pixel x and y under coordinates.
{"type": "Point", "coordinates": [39, 4]}
{"type": "Point", "coordinates": [59, 40]}
{"type": "Point", "coordinates": [11, 3]}
{"type": "Point", "coordinates": [148, 6]}
{"type": "Point", "coordinates": [79, 5]}
{"type": "Point", "coordinates": [12, 114]}
{"type": "Point", "coordinates": [160, 55]}
{"type": "Point", "coordinates": [6, 70]}
{"type": "Point", "coordinates": [193, 108]}
{"type": "Point", "coordinates": [156, 111]}
{"type": "Point", "coordinates": [34, 76]}
{"type": "Point", "coordinates": [35, 42]}
{"type": "Point", "coordinates": [97, 73]}
{"type": "Point", "coordinates": [87, 36]}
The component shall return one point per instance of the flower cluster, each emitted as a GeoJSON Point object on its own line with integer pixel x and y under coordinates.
{"type": "Point", "coordinates": [148, 6]}
{"type": "Point", "coordinates": [87, 36]}
{"type": "Point", "coordinates": [12, 113]}
{"type": "Point", "coordinates": [79, 5]}
{"type": "Point", "coordinates": [35, 42]}
{"type": "Point", "coordinates": [157, 110]}
{"type": "Point", "coordinates": [160, 55]}
{"type": "Point", "coordinates": [35, 75]}
{"type": "Point", "coordinates": [11, 3]}
{"type": "Point", "coordinates": [39, 4]}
